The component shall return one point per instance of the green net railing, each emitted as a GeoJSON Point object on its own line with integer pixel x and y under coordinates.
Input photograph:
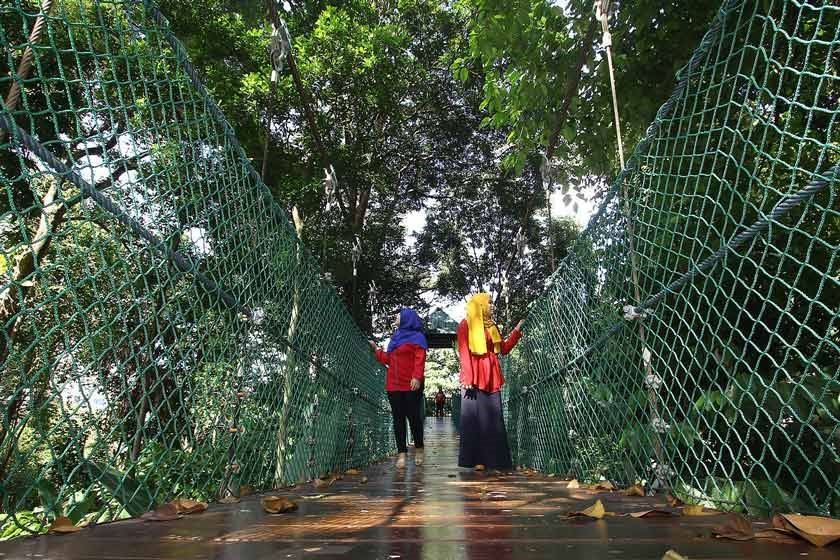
{"type": "Point", "coordinates": [164, 332]}
{"type": "Point", "coordinates": [723, 230]}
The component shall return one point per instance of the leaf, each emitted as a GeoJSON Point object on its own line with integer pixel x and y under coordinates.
{"type": "Point", "coordinates": [480, 468]}
{"type": "Point", "coordinates": [278, 504]}
{"type": "Point", "coordinates": [604, 485]}
{"type": "Point", "coordinates": [363, 480]}
{"type": "Point", "coordinates": [352, 472]}
{"type": "Point", "coordinates": [186, 506]}
{"type": "Point", "coordinates": [737, 528]}
{"type": "Point", "coordinates": [323, 483]}
{"type": "Point", "coordinates": [763, 497]}
{"type": "Point", "coordinates": [635, 490]}
{"type": "Point", "coordinates": [80, 507]}
{"type": "Point", "coordinates": [819, 531]}
{"type": "Point", "coordinates": [48, 495]}
{"type": "Point", "coordinates": [673, 555]}
{"type": "Point", "coordinates": [229, 500]}
{"type": "Point", "coordinates": [651, 513]}
{"type": "Point", "coordinates": [697, 511]}
{"type": "Point", "coordinates": [595, 511]}
{"type": "Point", "coordinates": [63, 525]}
{"type": "Point", "coordinates": [166, 512]}
{"type": "Point", "coordinates": [569, 133]}
{"type": "Point", "coordinates": [780, 536]}
{"type": "Point", "coordinates": [573, 484]}
{"type": "Point", "coordinates": [673, 501]}
{"type": "Point", "coordinates": [133, 496]}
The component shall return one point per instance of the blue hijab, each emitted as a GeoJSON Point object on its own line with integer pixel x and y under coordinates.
{"type": "Point", "coordinates": [410, 331]}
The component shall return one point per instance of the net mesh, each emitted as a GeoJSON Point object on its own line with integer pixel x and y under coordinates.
{"type": "Point", "coordinates": [723, 232]}
{"type": "Point", "coordinates": [164, 332]}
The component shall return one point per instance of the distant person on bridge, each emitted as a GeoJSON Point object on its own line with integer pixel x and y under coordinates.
{"type": "Point", "coordinates": [483, 436]}
{"type": "Point", "coordinates": [406, 361]}
{"type": "Point", "coordinates": [440, 400]}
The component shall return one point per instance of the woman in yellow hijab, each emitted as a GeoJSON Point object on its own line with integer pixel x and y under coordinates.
{"type": "Point", "coordinates": [483, 435]}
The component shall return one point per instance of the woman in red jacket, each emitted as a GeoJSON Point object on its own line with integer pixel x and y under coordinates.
{"type": "Point", "coordinates": [483, 435]}
{"type": "Point", "coordinates": [406, 361]}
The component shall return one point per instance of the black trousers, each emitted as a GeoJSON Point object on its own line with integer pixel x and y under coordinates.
{"type": "Point", "coordinates": [405, 405]}
{"type": "Point", "coordinates": [483, 435]}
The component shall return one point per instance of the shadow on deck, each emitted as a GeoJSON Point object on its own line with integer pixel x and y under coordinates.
{"type": "Point", "coordinates": [433, 512]}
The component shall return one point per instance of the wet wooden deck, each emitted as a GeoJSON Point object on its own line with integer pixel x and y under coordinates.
{"type": "Point", "coordinates": [433, 512]}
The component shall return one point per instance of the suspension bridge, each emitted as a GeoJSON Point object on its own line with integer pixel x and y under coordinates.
{"type": "Point", "coordinates": [165, 334]}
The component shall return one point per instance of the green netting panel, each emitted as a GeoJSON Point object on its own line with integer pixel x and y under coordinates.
{"type": "Point", "coordinates": [164, 334]}
{"type": "Point", "coordinates": [728, 390]}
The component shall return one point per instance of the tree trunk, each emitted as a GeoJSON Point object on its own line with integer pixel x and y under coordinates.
{"type": "Point", "coordinates": [562, 116]}
{"type": "Point", "coordinates": [53, 214]}
{"type": "Point", "coordinates": [281, 448]}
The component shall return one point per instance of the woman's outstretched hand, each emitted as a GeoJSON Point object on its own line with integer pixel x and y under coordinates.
{"type": "Point", "coordinates": [518, 326]}
{"type": "Point", "coordinates": [373, 345]}
{"type": "Point", "coordinates": [415, 384]}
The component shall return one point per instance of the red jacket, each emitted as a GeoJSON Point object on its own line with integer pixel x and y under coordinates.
{"type": "Point", "coordinates": [484, 370]}
{"type": "Point", "coordinates": [405, 363]}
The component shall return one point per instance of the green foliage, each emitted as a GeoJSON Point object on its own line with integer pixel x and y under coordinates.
{"type": "Point", "coordinates": [20, 525]}
{"type": "Point", "coordinates": [738, 407]}
{"type": "Point", "coordinates": [134, 496]}
{"type": "Point", "coordinates": [128, 381]}
{"type": "Point", "coordinates": [544, 73]}
{"type": "Point", "coordinates": [442, 370]}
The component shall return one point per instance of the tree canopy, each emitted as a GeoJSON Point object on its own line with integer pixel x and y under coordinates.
{"type": "Point", "coordinates": [446, 108]}
{"type": "Point", "coordinates": [473, 115]}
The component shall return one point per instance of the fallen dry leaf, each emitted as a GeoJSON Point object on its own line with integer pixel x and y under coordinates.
{"type": "Point", "coordinates": [363, 480]}
{"type": "Point", "coordinates": [604, 485]}
{"type": "Point", "coordinates": [63, 525]}
{"type": "Point", "coordinates": [229, 500]}
{"type": "Point", "coordinates": [635, 490]}
{"type": "Point", "coordinates": [736, 528]}
{"type": "Point", "coordinates": [651, 513]}
{"type": "Point", "coordinates": [323, 483]}
{"type": "Point", "coordinates": [673, 501]}
{"type": "Point", "coordinates": [480, 467]}
{"type": "Point", "coordinates": [819, 531]}
{"type": "Point", "coordinates": [245, 490]}
{"type": "Point", "coordinates": [779, 536]}
{"type": "Point", "coordinates": [595, 511]}
{"type": "Point", "coordinates": [573, 484]}
{"type": "Point", "coordinates": [697, 510]}
{"type": "Point", "coordinates": [186, 506]}
{"type": "Point", "coordinates": [166, 512]}
{"type": "Point", "coordinates": [278, 504]}
{"type": "Point", "coordinates": [673, 555]}
{"type": "Point", "coordinates": [352, 472]}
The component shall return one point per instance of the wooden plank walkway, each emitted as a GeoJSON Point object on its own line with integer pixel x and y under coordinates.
{"type": "Point", "coordinates": [433, 512]}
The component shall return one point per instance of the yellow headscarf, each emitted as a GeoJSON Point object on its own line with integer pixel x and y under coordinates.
{"type": "Point", "coordinates": [478, 318]}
